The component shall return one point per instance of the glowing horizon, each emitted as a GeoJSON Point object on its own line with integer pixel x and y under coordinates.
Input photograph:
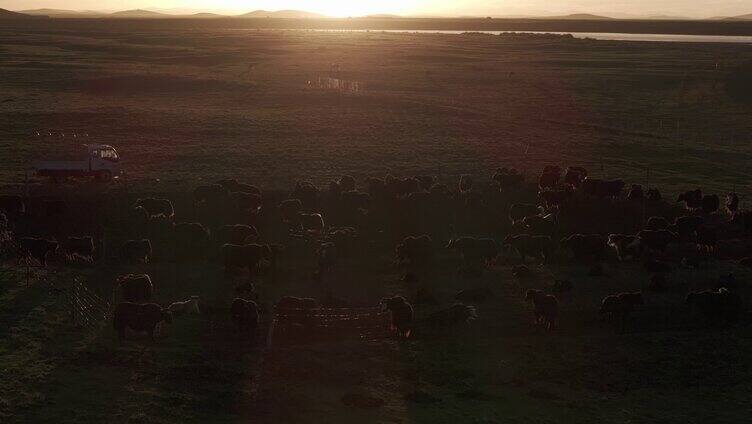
{"type": "Point", "coordinates": [342, 8]}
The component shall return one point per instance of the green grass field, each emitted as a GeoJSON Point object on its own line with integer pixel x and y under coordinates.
{"type": "Point", "coordinates": [190, 106]}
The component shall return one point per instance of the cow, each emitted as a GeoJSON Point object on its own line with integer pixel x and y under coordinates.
{"type": "Point", "coordinates": [139, 317]}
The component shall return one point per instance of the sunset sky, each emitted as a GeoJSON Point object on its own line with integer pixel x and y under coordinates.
{"type": "Point", "coordinates": [690, 8]}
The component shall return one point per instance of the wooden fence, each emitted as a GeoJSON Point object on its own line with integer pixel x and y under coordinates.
{"type": "Point", "coordinates": [87, 308]}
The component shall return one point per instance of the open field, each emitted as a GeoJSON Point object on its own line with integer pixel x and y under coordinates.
{"type": "Point", "coordinates": [187, 106]}
{"type": "Point", "coordinates": [667, 367]}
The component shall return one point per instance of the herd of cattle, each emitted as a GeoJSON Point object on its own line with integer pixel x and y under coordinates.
{"type": "Point", "coordinates": [564, 216]}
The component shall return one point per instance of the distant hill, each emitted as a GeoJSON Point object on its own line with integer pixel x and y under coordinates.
{"type": "Point", "coordinates": [382, 16]}
{"type": "Point", "coordinates": [205, 15]}
{"type": "Point", "coordinates": [581, 17]}
{"type": "Point", "coordinates": [62, 13]}
{"type": "Point", "coordinates": [7, 14]}
{"type": "Point", "coordinates": [138, 13]}
{"type": "Point", "coordinates": [731, 18]}
{"type": "Point", "coordinates": [294, 14]}
{"type": "Point", "coordinates": [665, 18]}
{"type": "Point", "coordinates": [747, 17]}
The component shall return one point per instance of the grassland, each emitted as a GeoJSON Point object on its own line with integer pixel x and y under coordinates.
{"type": "Point", "coordinates": [184, 106]}
{"type": "Point", "coordinates": [187, 104]}
{"type": "Point", "coordinates": [666, 368]}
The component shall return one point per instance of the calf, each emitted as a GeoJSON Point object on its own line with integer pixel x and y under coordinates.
{"type": "Point", "coordinates": [136, 251]}
{"type": "Point", "coordinates": [82, 246]}
{"type": "Point", "coordinates": [574, 176]}
{"type": "Point", "coordinates": [656, 223]}
{"type": "Point", "coordinates": [636, 193]}
{"type": "Point", "coordinates": [717, 306]}
{"type": "Point", "coordinates": [311, 223]}
{"type": "Point", "coordinates": [732, 203]}
{"type": "Point", "coordinates": [289, 209]}
{"type": "Point", "coordinates": [549, 178]}
{"type": "Point", "coordinates": [553, 198]}
{"type": "Point", "coordinates": [654, 195]}
{"type": "Point", "coordinates": [454, 315]}
{"type": "Point", "coordinates": [402, 314]}
{"type": "Point", "coordinates": [562, 287]}
{"type": "Point", "coordinates": [189, 306]}
{"type": "Point", "coordinates": [246, 202]}
{"type": "Point", "coordinates": [475, 249]}
{"type": "Point", "coordinates": [656, 240]}
{"type": "Point", "coordinates": [245, 316]}
{"type": "Point", "coordinates": [626, 246]}
{"type": "Point", "coordinates": [136, 288]}
{"type": "Point", "coordinates": [507, 178]}
{"type": "Point", "coordinates": [686, 226]}
{"type": "Point", "coordinates": [245, 256]}
{"type": "Point", "coordinates": [540, 225]}
{"type": "Point", "coordinates": [155, 206]}
{"type": "Point", "coordinates": [211, 193]}
{"type": "Point", "coordinates": [533, 246]}
{"type": "Point", "coordinates": [190, 239]}
{"type": "Point", "coordinates": [519, 211]}
{"type": "Point", "coordinates": [236, 234]}
{"type": "Point", "coordinates": [138, 317]}
{"type": "Point", "coordinates": [474, 295]}
{"type": "Point", "coordinates": [602, 188]}
{"type": "Point", "coordinates": [692, 199]}
{"type": "Point", "coordinates": [12, 204]}
{"type": "Point", "coordinates": [710, 203]}
{"type": "Point", "coordinates": [37, 248]}
{"type": "Point", "coordinates": [545, 308]}
{"type": "Point", "coordinates": [618, 307]}
{"type": "Point", "coordinates": [415, 250]}
{"type": "Point", "coordinates": [585, 246]}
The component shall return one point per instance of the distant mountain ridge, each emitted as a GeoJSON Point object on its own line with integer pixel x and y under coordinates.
{"type": "Point", "coordinates": [302, 14]}
{"type": "Point", "coordinates": [7, 14]}
{"type": "Point", "coordinates": [61, 12]}
{"type": "Point", "coordinates": [578, 17]}
{"type": "Point", "coordinates": [138, 13]}
{"type": "Point", "coordinates": [49, 12]}
{"type": "Point", "coordinates": [294, 14]}
{"type": "Point", "coordinates": [206, 15]}
{"type": "Point", "coordinates": [747, 17]}
{"type": "Point", "coordinates": [382, 16]}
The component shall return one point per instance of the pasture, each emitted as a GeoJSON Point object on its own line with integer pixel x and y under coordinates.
{"type": "Point", "coordinates": [188, 107]}
{"type": "Point", "coordinates": [183, 105]}
{"type": "Point", "coordinates": [667, 366]}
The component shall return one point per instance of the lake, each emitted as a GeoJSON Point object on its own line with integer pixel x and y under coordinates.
{"type": "Point", "coordinates": [672, 38]}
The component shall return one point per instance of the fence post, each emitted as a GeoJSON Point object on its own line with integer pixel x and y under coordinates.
{"type": "Point", "coordinates": [75, 301]}
{"type": "Point", "coordinates": [72, 305]}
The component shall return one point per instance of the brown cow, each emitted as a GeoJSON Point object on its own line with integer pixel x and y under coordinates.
{"type": "Point", "coordinates": [245, 316]}
{"type": "Point", "coordinates": [135, 287]}
{"type": "Point", "coordinates": [37, 248]}
{"type": "Point", "coordinates": [138, 317]}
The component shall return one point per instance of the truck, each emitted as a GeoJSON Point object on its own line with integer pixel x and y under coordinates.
{"type": "Point", "coordinates": [100, 161]}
